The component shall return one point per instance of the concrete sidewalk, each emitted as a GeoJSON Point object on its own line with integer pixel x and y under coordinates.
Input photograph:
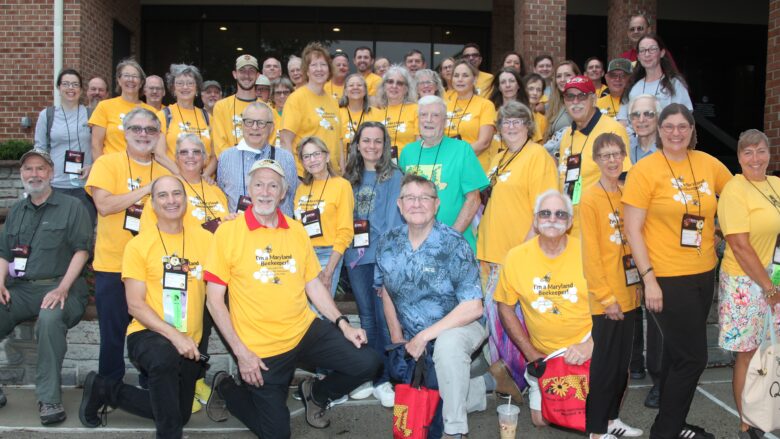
{"type": "Point", "coordinates": [713, 409]}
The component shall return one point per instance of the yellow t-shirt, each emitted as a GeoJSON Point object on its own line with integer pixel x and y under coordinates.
{"type": "Point", "coordinates": [602, 249]}
{"type": "Point", "coordinates": [600, 91]}
{"type": "Point", "coordinates": [402, 124]}
{"type": "Point", "coordinates": [350, 122]}
{"type": "Point", "coordinates": [117, 174]}
{"type": "Point", "coordinates": [337, 91]}
{"type": "Point", "coordinates": [184, 122]}
{"type": "Point", "coordinates": [509, 213]}
{"type": "Point", "coordinates": [484, 84]}
{"type": "Point", "coordinates": [309, 114]}
{"type": "Point", "coordinates": [541, 126]}
{"type": "Point", "coordinates": [552, 294]}
{"type": "Point", "coordinates": [465, 117]}
{"type": "Point", "coordinates": [609, 105]}
{"type": "Point", "coordinates": [143, 261]}
{"type": "Point", "coordinates": [227, 124]}
{"type": "Point", "coordinates": [276, 139]}
{"type": "Point", "coordinates": [109, 114]}
{"type": "Point", "coordinates": [372, 83]}
{"type": "Point", "coordinates": [335, 201]}
{"type": "Point", "coordinates": [582, 144]}
{"type": "Point", "coordinates": [266, 271]}
{"type": "Point", "coordinates": [742, 209]}
{"type": "Point", "coordinates": [651, 186]}
{"type": "Point", "coordinates": [205, 202]}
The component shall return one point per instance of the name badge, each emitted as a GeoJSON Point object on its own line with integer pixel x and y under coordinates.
{"type": "Point", "coordinates": [74, 162]}
{"type": "Point", "coordinates": [311, 222]}
{"type": "Point", "coordinates": [574, 190]}
{"type": "Point", "coordinates": [21, 254]}
{"type": "Point", "coordinates": [244, 203]}
{"type": "Point", "coordinates": [175, 308]}
{"type": "Point", "coordinates": [632, 273]}
{"type": "Point", "coordinates": [133, 218]}
{"type": "Point", "coordinates": [394, 154]}
{"type": "Point", "coordinates": [362, 234]}
{"type": "Point", "coordinates": [573, 164]}
{"type": "Point", "coordinates": [691, 231]}
{"type": "Point", "coordinates": [776, 263]}
{"type": "Point", "coordinates": [212, 225]}
{"type": "Point", "coordinates": [175, 271]}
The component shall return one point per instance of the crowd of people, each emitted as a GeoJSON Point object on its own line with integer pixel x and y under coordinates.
{"type": "Point", "coordinates": [483, 221]}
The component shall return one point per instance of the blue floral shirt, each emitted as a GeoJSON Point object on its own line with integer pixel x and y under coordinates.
{"type": "Point", "coordinates": [428, 283]}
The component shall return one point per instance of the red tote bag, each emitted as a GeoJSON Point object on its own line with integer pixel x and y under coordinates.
{"type": "Point", "coordinates": [415, 406]}
{"type": "Point", "coordinates": [564, 388]}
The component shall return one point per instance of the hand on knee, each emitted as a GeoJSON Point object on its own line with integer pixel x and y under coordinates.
{"type": "Point", "coordinates": [537, 419]}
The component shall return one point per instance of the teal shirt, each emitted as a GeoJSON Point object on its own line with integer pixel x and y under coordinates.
{"type": "Point", "coordinates": [455, 170]}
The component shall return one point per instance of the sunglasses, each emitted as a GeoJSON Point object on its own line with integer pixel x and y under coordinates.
{"type": "Point", "coordinates": [559, 214]}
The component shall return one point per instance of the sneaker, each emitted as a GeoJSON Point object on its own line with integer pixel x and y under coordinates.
{"type": "Point", "coordinates": [91, 401]}
{"type": "Point", "coordinates": [3, 399]}
{"type": "Point", "coordinates": [621, 429]}
{"type": "Point", "coordinates": [216, 407]}
{"type": "Point", "coordinates": [363, 391]}
{"type": "Point", "coordinates": [202, 391]}
{"type": "Point", "coordinates": [690, 431]}
{"type": "Point", "coordinates": [196, 405]}
{"type": "Point", "coordinates": [504, 382]}
{"type": "Point", "coordinates": [750, 433]}
{"type": "Point", "coordinates": [604, 436]}
{"type": "Point", "coordinates": [316, 416]}
{"type": "Point", "coordinates": [51, 413]}
{"type": "Point", "coordinates": [384, 393]}
{"type": "Point", "coordinates": [638, 374]}
{"type": "Point", "coordinates": [653, 399]}
{"type": "Point", "coordinates": [338, 401]}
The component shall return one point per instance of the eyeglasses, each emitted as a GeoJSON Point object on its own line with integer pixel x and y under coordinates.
{"type": "Point", "coordinates": [682, 128]}
{"type": "Point", "coordinates": [607, 156]}
{"type": "Point", "coordinates": [70, 85]}
{"type": "Point", "coordinates": [251, 123]}
{"type": "Point", "coordinates": [548, 214]}
{"type": "Point", "coordinates": [154, 89]}
{"type": "Point", "coordinates": [137, 129]}
{"type": "Point", "coordinates": [129, 76]}
{"type": "Point", "coordinates": [471, 55]}
{"type": "Point", "coordinates": [423, 199]}
{"type": "Point", "coordinates": [575, 97]}
{"type": "Point", "coordinates": [651, 50]}
{"type": "Point", "coordinates": [425, 82]}
{"type": "Point", "coordinates": [184, 83]}
{"type": "Point", "coordinates": [281, 92]}
{"type": "Point", "coordinates": [394, 82]}
{"type": "Point", "coordinates": [635, 115]}
{"type": "Point", "coordinates": [192, 152]}
{"type": "Point", "coordinates": [314, 155]}
{"type": "Point", "coordinates": [636, 29]}
{"type": "Point", "coordinates": [513, 123]}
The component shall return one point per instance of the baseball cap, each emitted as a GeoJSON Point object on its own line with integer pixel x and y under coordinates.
{"type": "Point", "coordinates": [581, 83]}
{"type": "Point", "coordinates": [619, 64]}
{"type": "Point", "coordinates": [267, 164]}
{"type": "Point", "coordinates": [246, 60]}
{"type": "Point", "coordinates": [40, 153]}
{"type": "Point", "coordinates": [210, 83]}
{"type": "Point", "coordinates": [263, 80]}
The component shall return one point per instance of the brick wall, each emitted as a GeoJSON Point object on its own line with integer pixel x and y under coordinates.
{"type": "Point", "coordinates": [27, 48]}
{"type": "Point", "coordinates": [502, 33]}
{"type": "Point", "coordinates": [772, 103]}
{"type": "Point", "coordinates": [618, 15]}
{"type": "Point", "coordinates": [540, 28]}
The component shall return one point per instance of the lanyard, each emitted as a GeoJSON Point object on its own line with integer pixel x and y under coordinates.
{"type": "Point", "coordinates": [776, 204]}
{"type": "Point", "coordinates": [644, 83]}
{"type": "Point", "coordinates": [67, 127]}
{"type": "Point", "coordinates": [618, 220]}
{"type": "Point", "coordinates": [163, 242]}
{"type": "Point", "coordinates": [462, 114]}
{"type": "Point", "coordinates": [194, 112]}
{"type": "Point", "coordinates": [500, 168]}
{"type": "Point", "coordinates": [352, 126]}
{"type": "Point", "coordinates": [679, 183]}
{"type": "Point", "coordinates": [321, 193]}
{"type": "Point", "coordinates": [130, 171]}
{"type": "Point", "coordinates": [400, 113]}
{"type": "Point", "coordinates": [233, 122]}
{"type": "Point", "coordinates": [201, 198]}
{"type": "Point", "coordinates": [35, 230]}
{"type": "Point", "coordinates": [435, 158]}
{"type": "Point", "coordinates": [571, 144]}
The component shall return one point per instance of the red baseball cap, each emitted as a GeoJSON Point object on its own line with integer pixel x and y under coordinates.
{"type": "Point", "coordinates": [581, 83]}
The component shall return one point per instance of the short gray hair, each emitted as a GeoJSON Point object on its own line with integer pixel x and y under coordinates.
{"type": "Point", "coordinates": [634, 100]}
{"type": "Point", "coordinates": [257, 105]}
{"type": "Point", "coordinates": [411, 87]}
{"type": "Point", "coordinates": [177, 70]}
{"type": "Point", "coordinates": [143, 112]}
{"type": "Point", "coordinates": [434, 77]}
{"type": "Point", "coordinates": [192, 138]}
{"type": "Point", "coordinates": [514, 109]}
{"type": "Point", "coordinates": [430, 100]}
{"type": "Point", "coordinates": [554, 193]}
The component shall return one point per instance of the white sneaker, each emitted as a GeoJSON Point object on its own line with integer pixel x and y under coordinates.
{"type": "Point", "coordinates": [385, 394]}
{"type": "Point", "coordinates": [363, 391]}
{"type": "Point", "coordinates": [621, 429]}
{"type": "Point", "coordinates": [339, 401]}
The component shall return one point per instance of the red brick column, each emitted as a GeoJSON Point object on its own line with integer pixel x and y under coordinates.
{"type": "Point", "coordinates": [540, 28]}
{"type": "Point", "coordinates": [502, 33]}
{"type": "Point", "coordinates": [772, 103]}
{"type": "Point", "coordinates": [618, 15]}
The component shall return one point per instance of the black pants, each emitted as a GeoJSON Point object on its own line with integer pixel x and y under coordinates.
{"type": "Point", "coordinates": [608, 369]}
{"type": "Point", "coordinates": [683, 325]}
{"type": "Point", "coordinates": [264, 409]}
{"type": "Point", "coordinates": [654, 346]}
{"type": "Point", "coordinates": [168, 401]}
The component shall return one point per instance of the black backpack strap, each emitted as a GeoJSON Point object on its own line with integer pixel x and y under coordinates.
{"type": "Point", "coordinates": [205, 116]}
{"type": "Point", "coordinates": [168, 117]}
{"type": "Point", "coordinates": [49, 124]}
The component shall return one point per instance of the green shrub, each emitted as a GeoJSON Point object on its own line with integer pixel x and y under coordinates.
{"type": "Point", "coordinates": [14, 148]}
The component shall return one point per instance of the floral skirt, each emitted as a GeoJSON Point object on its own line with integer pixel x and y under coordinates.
{"type": "Point", "coordinates": [742, 312]}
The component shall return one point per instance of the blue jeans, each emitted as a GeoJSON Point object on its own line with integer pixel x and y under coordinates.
{"type": "Point", "coordinates": [371, 311]}
{"type": "Point", "coordinates": [113, 318]}
{"type": "Point", "coordinates": [323, 254]}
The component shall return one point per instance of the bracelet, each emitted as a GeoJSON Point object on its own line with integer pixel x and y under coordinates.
{"type": "Point", "coordinates": [339, 319]}
{"type": "Point", "coordinates": [770, 292]}
{"type": "Point", "coordinates": [649, 269]}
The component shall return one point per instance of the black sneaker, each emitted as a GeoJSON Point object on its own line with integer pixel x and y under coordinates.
{"type": "Point", "coordinates": [51, 413]}
{"type": "Point", "coordinates": [316, 416]}
{"type": "Point", "coordinates": [3, 399]}
{"type": "Point", "coordinates": [216, 407]}
{"type": "Point", "coordinates": [690, 431]}
{"type": "Point", "coordinates": [653, 399]}
{"type": "Point", "coordinates": [91, 402]}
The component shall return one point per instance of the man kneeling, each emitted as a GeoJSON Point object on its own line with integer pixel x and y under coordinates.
{"type": "Point", "coordinates": [165, 291]}
{"type": "Point", "coordinates": [269, 264]}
